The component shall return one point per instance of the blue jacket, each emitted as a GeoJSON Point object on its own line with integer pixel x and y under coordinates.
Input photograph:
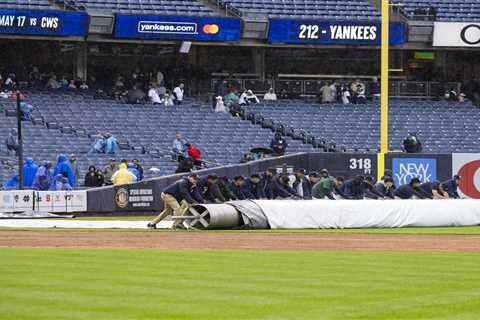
{"type": "Point", "coordinates": [266, 185]}
{"type": "Point", "coordinates": [382, 189]}
{"type": "Point", "coordinates": [252, 190]}
{"type": "Point", "coordinates": [184, 190]}
{"type": "Point", "coordinates": [352, 189]}
{"type": "Point", "coordinates": [238, 192]}
{"type": "Point", "coordinates": [282, 190]}
{"type": "Point", "coordinates": [133, 169]}
{"type": "Point", "coordinates": [43, 178]}
{"type": "Point", "coordinates": [62, 167]}
{"type": "Point", "coordinates": [60, 183]}
{"type": "Point", "coordinates": [451, 187]}
{"type": "Point", "coordinates": [12, 183]}
{"type": "Point", "coordinates": [111, 145]}
{"type": "Point", "coordinates": [29, 172]}
{"type": "Point", "coordinates": [306, 187]}
{"type": "Point", "coordinates": [406, 191]}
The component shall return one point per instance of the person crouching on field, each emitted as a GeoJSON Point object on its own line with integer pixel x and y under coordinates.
{"type": "Point", "coordinates": [177, 198]}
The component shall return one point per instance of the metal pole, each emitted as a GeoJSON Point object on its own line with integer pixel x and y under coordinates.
{"type": "Point", "coordinates": [20, 142]}
{"type": "Point", "coordinates": [384, 87]}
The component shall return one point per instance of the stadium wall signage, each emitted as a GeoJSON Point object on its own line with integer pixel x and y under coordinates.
{"type": "Point", "coordinates": [467, 165]}
{"type": "Point", "coordinates": [453, 34]}
{"type": "Point", "coordinates": [176, 28]}
{"type": "Point", "coordinates": [405, 169]}
{"type": "Point", "coordinates": [332, 32]}
{"type": "Point", "coordinates": [137, 197]}
{"type": "Point", "coordinates": [43, 23]}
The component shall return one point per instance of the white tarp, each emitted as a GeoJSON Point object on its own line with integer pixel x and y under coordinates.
{"type": "Point", "coordinates": [370, 213]}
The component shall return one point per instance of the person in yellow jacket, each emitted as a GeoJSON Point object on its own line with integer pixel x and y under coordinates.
{"type": "Point", "coordinates": [122, 175]}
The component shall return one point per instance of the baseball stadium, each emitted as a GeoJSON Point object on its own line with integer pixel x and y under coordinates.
{"type": "Point", "coordinates": [239, 159]}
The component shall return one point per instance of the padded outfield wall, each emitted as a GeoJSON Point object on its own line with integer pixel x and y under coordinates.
{"type": "Point", "coordinates": [145, 196]}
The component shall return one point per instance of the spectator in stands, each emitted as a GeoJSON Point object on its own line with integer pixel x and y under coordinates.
{"type": "Point", "coordinates": [153, 95]}
{"type": "Point", "coordinates": [270, 95]}
{"type": "Point", "coordinates": [284, 94]}
{"type": "Point", "coordinates": [375, 87]}
{"type": "Point", "coordinates": [412, 144]}
{"type": "Point", "coordinates": [361, 97]}
{"type": "Point", "coordinates": [252, 188]}
{"type": "Point", "coordinates": [325, 187]}
{"type": "Point", "coordinates": [462, 97]}
{"type": "Point", "coordinates": [326, 93]}
{"type": "Point", "coordinates": [73, 163]}
{"type": "Point", "coordinates": [247, 157]}
{"type": "Point", "coordinates": [353, 189]}
{"type": "Point", "coordinates": [64, 169]}
{"type": "Point", "coordinates": [72, 85]}
{"type": "Point", "coordinates": [11, 82]}
{"type": "Point", "coordinates": [135, 95]}
{"type": "Point", "coordinates": [356, 88]}
{"type": "Point", "coordinates": [179, 147]}
{"type": "Point", "coordinates": [386, 187]}
{"type": "Point", "coordinates": [93, 178]}
{"type": "Point", "coordinates": [11, 142]}
{"type": "Point", "coordinates": [29, 172]}
{"type": "Point", "coordinates": [108, 171]}
{"type": "Point", "coordinates": [195, 154]}
{"type": "Point", "coordinates": [160, 78]}
{"type": "Point", "coordinates": [99, 144]}
{"type": "Point", "coordinates": [236, 187]}
{"type": "Point", "coordinates": [281, 189]}
{"type": "Point", "coordinates": [433, 190]}
{"type": "Point", "coordinates": [409, 191]}
{"type": "Point", "coordinates": [220, 106]}
{"type": "Point", "coordinates": [60, 183]}
{"type": "Point", "coordinates": [267, 181]}
{"type": "Point", "coordinates": [43, 177]}
{"type": "Point", "coordinates": [451, 187]}
{"type": "Point", "coordinates": [133, 169]}
{"type": "Point", "coordinates": [123, 175]}
{"type": "Point", "coordinates": [301, 185]}
{"type": "Point", "coordinates": [248, 98]}
{"type": "Point", "coordinates": [169, 99]}
{"type": "Point", "coordinates": [12, 183]}
{"type": "Point", "coordinates": [63, 82]}
{"type": "Point", "coordinates": [345, 94]}
{"type": "Point", "coordinates": [83, 86]}
{"type": "Point", "coordinates": [231, 99]}
{"type": "Point", "coordinates": [278, 145]}
{"type": "Point", "coordinates": [178, 91]}
{"type": "Point", "coordinates": [177, 198]}
{"type": "Point", "coordinates": [140, 169]}
{"type": "Point", "coordinates": [111, 144]}
{"type": "Point", "coordinates": [186, 165]}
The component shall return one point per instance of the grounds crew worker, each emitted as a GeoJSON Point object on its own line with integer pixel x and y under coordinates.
{"type": "Point", "coordinates": [177, 198]}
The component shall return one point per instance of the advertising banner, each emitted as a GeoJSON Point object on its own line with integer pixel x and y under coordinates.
{"type": "Point", "coordinates": [177, 28]}
{"type": "Point", "coordinates": [455, 34]}
{"type": "Point", "coordinates": [61, 201]}
{"type": "Point", "coordinates": [136, 197]}
{"type": "Point", "coordinates": [405, 169]}
{"type": "Point", "coordinates": [467, 166]}
{"type": "Point", "coordinates": [13, 201]}
{"type": "Point", "coordinates": [43, 23]}
{"type": "Point", "coordinates": [332, 32]}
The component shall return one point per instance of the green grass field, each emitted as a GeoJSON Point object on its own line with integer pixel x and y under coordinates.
{"type": "Point", "coordinates": [155, 284]}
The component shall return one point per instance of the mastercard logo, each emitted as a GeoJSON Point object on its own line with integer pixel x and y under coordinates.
{"type": "Point", "coordinates": [211, 29]}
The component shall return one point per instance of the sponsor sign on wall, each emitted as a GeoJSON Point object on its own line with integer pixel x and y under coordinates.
{"type": "Point", "coordinates": [405, 169]}
{"type": "Point", "coordinates": [60, 201]}
{"type": "Point", "coordinates": [323, 32]}
{"type": "Point", "coordinates": [44, 23]}
{"type": "Point", "coordinates": [467, 165]}
{"type": "Point", "coordinates": [135, 197]}
{"type": "Point", "coordinates": [454, 34]}
{"type": "Point", "coordinates": [177, 28]}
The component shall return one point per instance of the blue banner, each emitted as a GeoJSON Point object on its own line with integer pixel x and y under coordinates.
{"type": "Point", "coordinates": [405, 169]}
{"type": "Point", "coordinates": [177, 28]}
{"type": "Point", "coordinates": [332, 32]}
{"type": "Point", "coordinates": [43, 23]}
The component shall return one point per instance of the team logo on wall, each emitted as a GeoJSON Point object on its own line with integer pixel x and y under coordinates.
{"type": "Point", "coordinates": [467, 166]}
{"type": "Point", "coordinates": [121, 198]}
{"type": "Point", "coordinates": [405, 169]}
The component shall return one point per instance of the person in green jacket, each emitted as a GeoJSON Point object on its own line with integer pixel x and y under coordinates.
{"type": "Point", "coordinates": [325, 187]}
